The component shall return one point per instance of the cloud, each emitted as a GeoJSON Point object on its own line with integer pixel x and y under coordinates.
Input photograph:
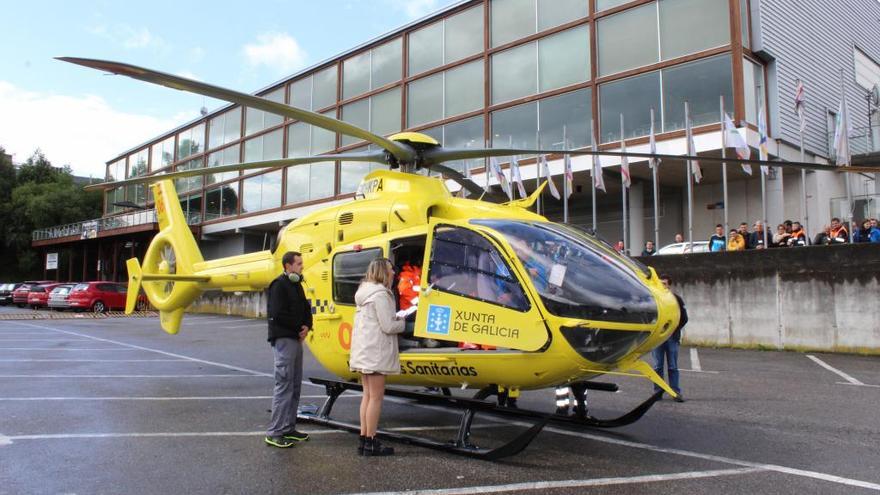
{"type": "Point", "coordinates": [81, 131]}
{"type": "Point", "coordinates": [415, 8]}
{"type": "Point", "coordinates": [278, 51]}
{"type": "Point", "coordinates": [129, 37]}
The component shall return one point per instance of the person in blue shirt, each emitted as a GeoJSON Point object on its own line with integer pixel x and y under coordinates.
{"type": "Point", "coordinates": [718, 242]}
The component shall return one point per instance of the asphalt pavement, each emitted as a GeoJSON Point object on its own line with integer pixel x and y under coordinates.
{"type": "Point", "coordinates": [117, 406]}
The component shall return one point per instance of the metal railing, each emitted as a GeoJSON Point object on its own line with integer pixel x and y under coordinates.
{"type": "Point", "coordinates": [89, 229]}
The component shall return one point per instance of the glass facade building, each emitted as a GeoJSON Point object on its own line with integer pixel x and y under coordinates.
{"type": "Point", "coordinates": [484, 72]}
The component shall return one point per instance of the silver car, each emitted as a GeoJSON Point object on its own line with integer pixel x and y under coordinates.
{"type": "Point", "coordinates": [683, 248]}
{"type": "Point", "coordinates": [58, 297]}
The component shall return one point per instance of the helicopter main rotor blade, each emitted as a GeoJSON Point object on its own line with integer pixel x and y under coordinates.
{"type": "Point", "coordinates": [401, 152]}
{"type": "Point", "coordinates": [440, 155]}
{"type": "Point", "coordinates": [468, 184]}
{"type": "Point", "coordinates": [367, 156]}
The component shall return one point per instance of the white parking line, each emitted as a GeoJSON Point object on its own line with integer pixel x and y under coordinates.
{"type": "Point", "coordinates": [859, 384]}
{"type": "Point", "coordinates": [93, 360]}
{"type": "Point", "coordinates": [194, 398]}
{"type": "Point", "coordinates": [250, 325]}
{"type": "Point", "coordinates": [834, 370]}
{"type": "Point", "coordinates": [171, 354]}
{"type": "Point", "coordinates": [64, 349]}
{"type": "Point", "coordinates": [695, 360]}
{"type": "Point", "coordinates": [547, 485]}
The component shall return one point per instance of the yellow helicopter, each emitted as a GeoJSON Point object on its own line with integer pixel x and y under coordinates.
{"type": "Point", "coordinates": [547, 304]}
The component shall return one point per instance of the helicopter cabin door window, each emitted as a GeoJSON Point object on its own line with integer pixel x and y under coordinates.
{"type": "Point", "coordinates": [475, 296]}
{"type": "Point", "coordinates": [349, 269]}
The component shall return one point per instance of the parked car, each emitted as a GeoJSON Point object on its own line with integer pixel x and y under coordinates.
{"type": "Point", "coordinates": [683, 248]}
{"type": "Point", "coordinates": [100, 297]}
{"type": "Point", "coordinates": [58, 297]}
{"type": "Point", "coordinates": [6, 293]}
{"type": "Point", "coordinates": [38, 296]}
{"type": "Point", "coordinates": [20, 294]}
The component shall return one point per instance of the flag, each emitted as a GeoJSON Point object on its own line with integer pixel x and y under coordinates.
{"type": "Point", "coordinates": [841, 135]}
{"type": "Point", "coordinates": [569, 175]}
{"type": "Point", "coordinates": [734, 139]}
{"type": "Point", "coordinates": [624, 164]}
{"type": "Point", "coordinates": [691, 147]}
{"type": "Point", "coordinates": [763, 153]}
{"type": "Point", "coordinates": [500, 177]}
{"type": "Point", "coordinates": [652, 143]}
{"type": "Point", "coordinates": [545, 170]}
{"type": "Point", "coordinates": [598, 180]}
{"type": "Point", "coordinates": [516, 177]}
{"type": "Point", "coordinates": [799, 99]}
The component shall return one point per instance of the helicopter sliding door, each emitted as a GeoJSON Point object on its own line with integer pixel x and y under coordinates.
{"type": "Point", "coordinates": [472, 294]}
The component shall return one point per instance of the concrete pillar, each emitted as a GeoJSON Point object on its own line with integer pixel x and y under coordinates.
{"type": "Point", "coordinates": [636, 200]}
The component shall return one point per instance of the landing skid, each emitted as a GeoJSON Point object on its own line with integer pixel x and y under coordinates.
{"type": "Point", "coordinates": [582, 419]}
{"type": "Point", "coordinates": [461, 445]}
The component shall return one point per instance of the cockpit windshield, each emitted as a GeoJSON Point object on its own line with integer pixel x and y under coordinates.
{"type": "Point", "coordinates": [574, 278]}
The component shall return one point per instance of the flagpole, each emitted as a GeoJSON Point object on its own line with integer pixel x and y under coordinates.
{"type": "Point", "coordinates": [802, 123]}
{"type": "Point", "coordinates": [763, 155]}
{"type": "Point", "coordinates": [593, 172]}
{"type": "Point", "coordinates": [724, 170]}
{"type": "Point", "coordinates": [690, 186]}
{"type": "Point", "coordinates": [538, 169]}
{"type": "Point", "coordinates": [845, 131]}
{"type": "Point", "coordinates": [565, 191]}
{"type": "Point", "coordinates": [656, 190]}
{"type": "Point", "coordinates": [626, 246]}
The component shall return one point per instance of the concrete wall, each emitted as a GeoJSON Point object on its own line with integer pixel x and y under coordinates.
{"type": "Point", "coordinates": [248, 304]}
{"type": "Point", "coordinates": [816, 298]}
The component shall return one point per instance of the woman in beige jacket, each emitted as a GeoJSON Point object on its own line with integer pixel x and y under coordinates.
{"type": "Point", "coordinates": [374, 348]}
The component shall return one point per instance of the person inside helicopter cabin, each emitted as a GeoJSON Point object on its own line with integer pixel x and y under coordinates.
{"type": "Point", "coordinates": [374, 352]}
{"type": "Point", "coordinates": [718, 242]}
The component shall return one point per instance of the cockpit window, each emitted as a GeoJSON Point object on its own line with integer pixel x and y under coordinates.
{"type": "Point", "coordinates": [575, 278]}
{"type": "Point", "coordinates": [464, 262]}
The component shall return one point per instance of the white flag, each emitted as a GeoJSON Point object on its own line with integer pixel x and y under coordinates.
{"type": "Point", "coordinates": [500, 177]}
{"type": "Point", "coordinates": [652, 143]}
{"type": "Point", "coordinates": [598, 180]}
{"type": "Point", "coordinates": [841, 135]}
{"type": "Point", "coordinates": [691, 147]}
{"type": "Point", "coordinates": [624, 165]}
{"type": "Point", "coordinates": [734, 139]}
{"type": "Point", "coordinates": [763, 152]}
{"type": "Point", "coordinates": [799, 99]}
{"type": "Point", "coordinates": [569, 174]}
{"type": "Point", "coordinates": [545, 170]}
{"type": "Point", "coordinates": [516, 177]}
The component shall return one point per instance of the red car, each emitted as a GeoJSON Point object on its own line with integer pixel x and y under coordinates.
{"type": "Point", "coordinates": [38, 297]}
{"type": "Point", "coordinates": [100, 297]}
{"type": "Point", "coordinates": [20, 294]}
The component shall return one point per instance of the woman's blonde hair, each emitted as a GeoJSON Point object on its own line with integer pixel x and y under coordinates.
{"type": "Point", "coordinates": [377, 272]}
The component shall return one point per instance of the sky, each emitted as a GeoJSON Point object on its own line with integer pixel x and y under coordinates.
{"type": "Point", "coordinates": [83, 118]}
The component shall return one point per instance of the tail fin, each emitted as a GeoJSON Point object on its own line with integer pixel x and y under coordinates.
{"type": "Point", "coordinates": [167, 274]}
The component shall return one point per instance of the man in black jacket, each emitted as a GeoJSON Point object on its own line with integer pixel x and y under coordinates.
{"type": "Point", "coordinates": [290, 320]}
{"type": "Point", "coordinates": [669, 349]}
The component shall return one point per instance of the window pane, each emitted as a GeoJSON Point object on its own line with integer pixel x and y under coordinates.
{"type": "Point", "coordinates": [514, 73]}
{"type": "Point", "coordinates": [272, 119]}
{"type": "Point", "coordinates": [608, 4]}
{"type": "Point", "coordinates": [298, 140]}
{"type": "Point", "coordinates": [464, 89]}
{"type": "Point", "coordinates": [628, 40]}
{"type": "Point", "coordinates": [387, 63]}
{"type": "Point", "coordinates": [425, 100]}
{"type": "Point", "coordinates": [273, 145]}
{"type": "Point", "coordinates": [215, 131]}
{"type": "Point", "coordinates": [633, 97]}
{"type": "Point", "coordinates": [351, 173]}
{"type": "Point", "coordinates": [515, 126]}
{"type": "Point", "coordinates": [271, 195]}
{"type": "Point", "coordinates": [464, 34]}
{"type": "Point", "coordinates": [322, 139]}
{"type": "Point", "coordinates": [464, 134]}
{"type": "Point", "coordinates": [511, 20]}
{"type": "Point", "coordinates": [253, 121]}
{"type": "Point", "coordinates": [744, 22]}
{"type": "Point", "coordinates": [162, 154]}
{"type": "Point", "coordinates": [426, 48]}
{"type": "Point", "coordinates": [322, 180]}
{"type": "Point", "coordinates": [348, 271]}
{"type": "Point", "coordinates": [227, 156]}
{"type": "Point", "coordinates": [357, 113]}
{"type": "Point", "coordinates": [229, 199]}
{"type": "Point", "coordinates": [753, 82]}
{"type": "Point", "coordinates": [564, 58]}
{"type": "Point", "coordinates": [188, 183]}
{"type": "Point", "coordinates": [568, 115]}
{"type": "Point", "coordinates": [324, 88]}
{"type": "Point", "coordinates": [700, 84]}
{"type": "Point", "coordinates": [688, 26]}
{"type": "Point", "coordinates": [232, 125]}
{"type": "Point", "coordinates": [212, 204]}
{"type": "Point", "coordinates": [250, 196]}
{"type": "Point", "coordinates": [190, 141]}
{"type": "Point", "coordinates": [301, 94]}
{"type": "Point", "coordinates": [253, 150]}
{"type": "Point", "coordinates": [297, 184]}
{"type": "Point", "coordinates": [552, 13]}
{"type": "Point", "coordinates": [385, 112]}
{"type": "Point", "coordinates": [356, 75]}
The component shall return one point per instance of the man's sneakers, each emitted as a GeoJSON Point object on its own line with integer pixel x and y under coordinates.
{"type": "Point", "coordinates": [288, 440]}
{"type": "Point", "coordinates": [296, 436]}
{"type": "Point", "coordinates": [280, 442]}
{"type": "Point", "coordinates": [679, 398]}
